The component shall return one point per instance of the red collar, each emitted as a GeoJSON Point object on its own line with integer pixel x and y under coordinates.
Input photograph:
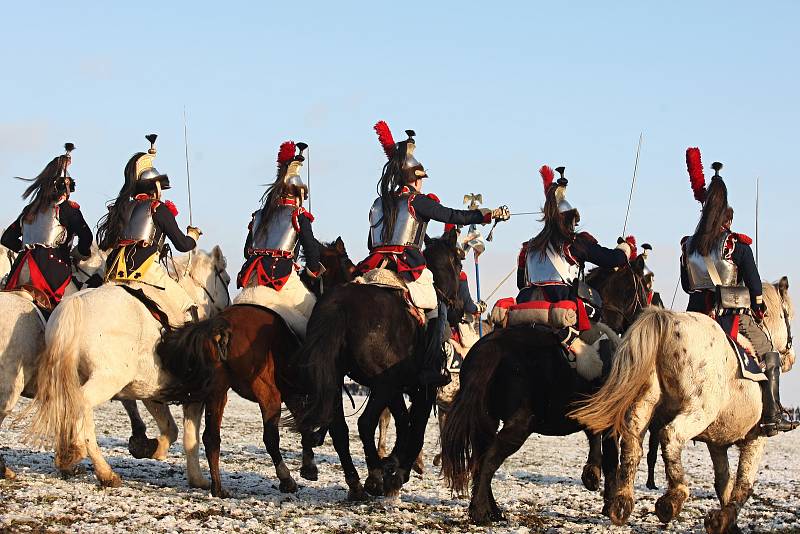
{"type": "Point", "coordinates": [143, 196]}
{"type": "Point", "coordinates": [286, 201]}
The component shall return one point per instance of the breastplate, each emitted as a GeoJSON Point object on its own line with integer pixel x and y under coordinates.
{"type": "Point", "coordinates": [45, 230]}
{"type": "Point", "coordinates": [141, 227]}
{"type": "Point", "coordinates": [697, 270]}
{"type": "Point", "coordinates": [408, 231]}
{"type": "Point", "coordinates": [540, 269]}
{"type": "Point", "coordinates": [280, 232]}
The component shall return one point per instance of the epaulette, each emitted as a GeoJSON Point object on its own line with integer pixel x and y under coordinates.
{"type": "Point", "coordinates": [433, 197]}
{"type": "Point", "coordinates": [74, 205]}
{"type": "Point", "coordinates": [171, 207]}
{"type": "Point", "coordinates": [742, 238]}
{"type": "Point", "coordinates": [586, 236]}
{"type": "Point", "coordinates": [296, 214]}
{"type": "Point", "coordinates": [462, 276]}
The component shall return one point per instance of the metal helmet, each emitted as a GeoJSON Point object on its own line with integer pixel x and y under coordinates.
{"type": "Point", "coordinates": [147, 176]}
{"type": "Point", "coordinates": [561, 192]}
{"type": "Point", "coordinates": [646, 248]}
{"type": "Point", "coordinates": [292, 177]}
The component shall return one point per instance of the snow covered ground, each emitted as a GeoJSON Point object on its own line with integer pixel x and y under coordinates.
{"type": "Point", "coordinates": [539, 488]}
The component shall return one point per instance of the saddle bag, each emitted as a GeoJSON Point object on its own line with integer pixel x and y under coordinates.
{"type": "Point", "coordinates": [554, 314]}
{"type": "Point", "coordinates": [733, 297]}
{"type": "Point", "coordinates": [588, 294]}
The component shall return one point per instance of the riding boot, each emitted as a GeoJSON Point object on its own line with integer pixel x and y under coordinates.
{"type": "Point", "coordinates": [773, 419]}
{"type": "Point", "coordinates": [433, 372]}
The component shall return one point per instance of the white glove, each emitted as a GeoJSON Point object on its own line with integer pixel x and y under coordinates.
{"type": "Point", "coordinates": [481, 307]}
{"type": "Point", "coordinates": [501, 214]}
{"type": "Point", "coordinates": [194, 232]}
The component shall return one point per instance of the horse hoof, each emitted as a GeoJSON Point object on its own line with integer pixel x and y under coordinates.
{"type": "Point", "coordinates": [591, 477]}
{"type": "Point", "coordinates": [721, 521]}
{"type": "Point", "coordinates": [114, 481]}
{"type": "Point", "coordinates": [619, 509]}
{"type": "Point", "coordinates": [374, 485]}
{"type": "Point", "coordinates": [497, 515]}
{"type": "Point", "coordinates": [7, 474]}
{"type": "Point", "coordinates": [357, 494]}
{"type": "Point", "coordinates": [418, 467]}
{"type": "Point", "coordinates": [651, 484]}
{"type": "Point", "coordinates": [437, 460]}
{"type": "Point", "coordinates": [200, 483]}
{"type": "Point", "coordinates": [392, 484]}
{"type": "Point", "coordinates": [667, 507]}
{"type": "Point", "coordinates": [479, 517]}
{"type": "Point", "coordinates": [75, 470]}
{"type": "Point", "coordinates": [220, 493]}
{"type": "Point", "coordinates": [288, 485]}
{"type": "Point", "coordinates": [309, 472]}
{"type": "Point", "coordinates": [141, 447]}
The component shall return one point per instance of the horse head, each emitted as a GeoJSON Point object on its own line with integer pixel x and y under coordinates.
{"type": "Point", "coordinates": [207, 280]}
{"type": "Point", "coordinates": [93, 267]}
{"type": "Point", "coordinates": [778, 319]}
{"type": "Point", "coordinates": [624, 291]}
{"type": "Point", "coordinates": [444, 261]}
{"type": "Point", "coordinates": [339, 269]}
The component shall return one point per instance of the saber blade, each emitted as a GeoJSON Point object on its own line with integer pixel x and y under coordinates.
{"type": "Point", "coordinates": [633, 185]}
{"type": "Point", "coordinates": [186, 152]}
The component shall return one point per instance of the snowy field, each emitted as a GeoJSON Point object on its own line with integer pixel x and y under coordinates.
{"type": "Point", "coordinates": [539, 488]}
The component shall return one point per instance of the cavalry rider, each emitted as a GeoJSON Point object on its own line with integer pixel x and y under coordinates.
{"type": "Point", "coordinates": [398, 220]}
{"type": "Point", "coordinates": [467, 331]}
{"type": "Point", "coordinates": [135, 228]}
{"type": "Point", "coordinates": [44, 232]}
{"type": "Point", "coordinates": [715, 260]}
{"type": "Point", "coordinates": [551, 264]}
{"type": "Point", "coordinates": [274, 235]}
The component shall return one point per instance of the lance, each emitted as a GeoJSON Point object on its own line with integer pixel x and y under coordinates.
{"type": "Point", "coordinates": [474, 201]}
{"type": "Point", "coordinates": [188, 182]}
{"type": "Point", "coordinates": [503, 281]}
{"type": "Point", "coordinates": [308, 177]}
{"type": "Point", "coordinates": [757, 191]}
{"type": "Point", "coordinates": [633, 185]}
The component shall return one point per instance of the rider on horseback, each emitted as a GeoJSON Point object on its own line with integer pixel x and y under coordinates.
{"type": "Point", "coordinates": [398, 220]}
{"type": "Point", "coordinates": [550, 265]}
{"type": "Point", "coordinates": [275, 232]}
{"type": "Point", "coordinates": [715, 261]}
{"type": "Point", "coordinates": [43, 233]}
{"type": "Point", "coordinates": [135, 228]}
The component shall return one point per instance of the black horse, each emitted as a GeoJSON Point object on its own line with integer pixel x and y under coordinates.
{"type": "Point", "coordinates": [367, 332]}
{"type": "Point", "coordinates": [520, 376]}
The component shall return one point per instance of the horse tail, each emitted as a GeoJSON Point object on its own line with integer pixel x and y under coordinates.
{"type": "Point", "coordinates": [58, 406]}
{"type": "Point", "coordinates": [469, 427]}
{"type": "Point", "coordinates": [320, 359]}
{"type": "Point", "coordinates": [189, 352]}
{"type": "Point", "coordinates": [631, 373]}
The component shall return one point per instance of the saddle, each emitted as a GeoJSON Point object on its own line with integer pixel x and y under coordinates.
{"type": "Point", "coordinates": [44, 306]}
{"type": "Point", "coordinates": [388, 279]}
{"type": "Point", "coordinates": [748, 365]}
{"type": "Point", "coordinates": [151, 305]}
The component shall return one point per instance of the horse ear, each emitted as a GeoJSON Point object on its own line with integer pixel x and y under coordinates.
{"type": "Point", "coordinates": [783, 285]}
{"type": "Point", "coordinates": [218, 257]}
{"type": "Point", "coordinates": [339, 244]}
{"type": "Point", "coordinates": [638, 265]}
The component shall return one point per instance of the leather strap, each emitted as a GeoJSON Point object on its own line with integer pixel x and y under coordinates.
{"type": "Point", "coordinates": [558, 262]}
{"type": "Point", "coordinates": [712, 271]}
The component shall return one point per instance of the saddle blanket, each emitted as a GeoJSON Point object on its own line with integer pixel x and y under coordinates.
{"type": "Point", "coordinates": [294, 302]}
{"type": "Point", "coordinates": [748, 365]}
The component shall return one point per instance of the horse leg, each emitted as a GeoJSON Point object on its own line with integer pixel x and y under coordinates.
{"type": "Point", "coordinates": [105, 475]}
{"type": "Point", "coordinates": [308, 469]}
{"type": "Point", "coordinates": [340, 436]}
{"type": "Point", "coordinates": [652, 454]}
{"type": "Point", "coordinates": [10, 392]}
{"type": "Point", "coordinates": [97, 390]}
{"type": "Point", "coordinates": [610, 445]}
{"type": "Point", "coordinates": [482, 507]}
{"type": "Point", "coordinates": [441, 417]}
{"type": "Point", "coordinates": [687, 424]}
{"type": "Point", "coordinates": [591, 471]}
{"type": "Point", "coordinates": [723, 483]}
{"type": "Point", "coordinates": [421, 404]}
{"type": "Point", "coordinates": [383, 428]}
{"type": "Point", "coordinates": [138, 444]}
{"type": "Point", "coordinates": [168, 430]}
{"type": "Point", "coordinates": [215, 407]}
{"type": "Point", "coordinates": [367, 423]}
{"type": "Point", "coordinates": [724, 520]}
{"type": "Point", "coordinates": [620, 505]}
{"type": "Point", "coordinates": [271, 415]}
{"type": "Point", "coordinates": [191, 445]}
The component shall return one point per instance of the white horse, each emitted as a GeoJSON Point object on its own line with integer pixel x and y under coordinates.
{"type": "Point", "coordinates": [100, 345]}
{"type": "Point", "coordinates": [681, 367]}
{"type": "Point", "coordinates": [22, 339]}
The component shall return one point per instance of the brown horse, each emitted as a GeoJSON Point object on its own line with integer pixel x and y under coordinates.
{"type": "Point", "coordinates": [249, 349]}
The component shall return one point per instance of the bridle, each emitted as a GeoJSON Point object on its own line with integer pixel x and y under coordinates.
{"type": "Point", "coordinates": [217, 278]}
{"type": "Point", "coordinates": [632, 309]}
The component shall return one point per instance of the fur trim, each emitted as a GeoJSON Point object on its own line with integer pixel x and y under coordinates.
{"type": "Point", "coordinates": [286, 152]}
{"type": "Point", "coordinates": [171, 207]}
{"type": "Point", "coordinates": [547, 177]}
{"type": "Point", "coordinates": [74, 204]}
{"type": "Point", "coordinates": [696, 178]}
{"type": "Point", "coordinates": [434, 198]}
{"type": "Point", "coordinates": [385, 137]}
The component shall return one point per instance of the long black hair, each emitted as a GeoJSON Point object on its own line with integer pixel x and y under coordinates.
{"type": "Point", "coordinates": [271, 200]}
{"type": "Point", "coordinates": [44, 189]}
{"type": "Point", "coordinates": [392, 179]}
{"type": "Point", "coordinates": [558, 227]}
{"type": "Point", "coordinates": [715, 219]}
{"type": "Point", "coordinates": [112, 224]}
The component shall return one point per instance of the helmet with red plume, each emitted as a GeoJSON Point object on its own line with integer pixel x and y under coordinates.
{"type": "Point", "coordinates": [717, 214]}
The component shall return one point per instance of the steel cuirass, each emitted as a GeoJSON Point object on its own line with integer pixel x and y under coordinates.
{"type": "Point", "coordinates": [542, 269]}
{"type": "Point", "coordinates": [45, 230]}
{"type": "Point", "coordinates": [697, 270]}
{"type": "Point", "coordinates": [408, 231]}
{"type": "Point", "coordinates": [141, 227]}
{"type": "Point", "coordinates": [280, 235]}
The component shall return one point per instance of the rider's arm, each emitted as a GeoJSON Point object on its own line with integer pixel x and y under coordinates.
{"type": "Point", "coordinates": [522, 260]}
{"type": "Point", "coordinates": [166, 221]}
{"type": "Point", "coordinates": [587, 247]}
{"type": "Point", "coordinates": [12, 237]}
{"type": "Point", "coordinates": [744, 260]}
{"type": "Point", "coordinates": [72, 218]}
{"type": "Point", "coordinates": [427, 208]}
{"type": "Point", "coordinates": [308, 242]}
{"type": "Point", "coordinates": [463, 293]}
{"type": "Point", "coordinates": [248, 242]}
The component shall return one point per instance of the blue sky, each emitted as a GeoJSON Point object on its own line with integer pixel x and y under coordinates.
{"type": "Point", "coordinates": [493, 92]}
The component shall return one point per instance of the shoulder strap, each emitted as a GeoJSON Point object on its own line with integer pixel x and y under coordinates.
{"type": "Point", "coordinates": [558, 262]}
{"type": "Point", "coordinates": [712, 271]}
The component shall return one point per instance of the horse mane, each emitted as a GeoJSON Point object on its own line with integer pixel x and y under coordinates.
{"type": "Point", "coordinates": [773, 320]}
{"type": "Point", "coordinates": [598, 276]}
